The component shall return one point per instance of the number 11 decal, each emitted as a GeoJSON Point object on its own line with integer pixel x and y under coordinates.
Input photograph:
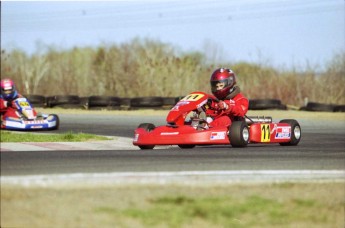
{"type": "Point", "coordinates": [265, 132]}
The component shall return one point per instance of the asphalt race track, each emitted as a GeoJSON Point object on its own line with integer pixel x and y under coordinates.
{"type": "Point", "coordinates": [322, 147]}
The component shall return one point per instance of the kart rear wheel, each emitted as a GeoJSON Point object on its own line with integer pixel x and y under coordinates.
{"type": "Point", "coordinates": [147, 127]}
{"type": "Point", "coordinates": [239, 134]}
{"type": "Point", "coordinates": [186, 146]}
{"type": "Point", "coordinates": [296, 132]}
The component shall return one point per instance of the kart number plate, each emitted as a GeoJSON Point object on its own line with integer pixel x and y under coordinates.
{"type": "Point", "coordinates": [265, 133]}
{"type": "Point", "coordinates": [24, 104]}
{"type": "Point", "coordinates": [193, 97]}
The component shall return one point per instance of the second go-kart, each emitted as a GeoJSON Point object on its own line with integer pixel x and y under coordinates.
{"type": "Point", "coordinates": [22, 116]}
{"type": "Point", "coordinates": [187, 126]}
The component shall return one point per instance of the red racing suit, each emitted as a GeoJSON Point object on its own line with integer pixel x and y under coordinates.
{"type": "Point", "coordinates": [237, 107]}
{"type": "Point", "coordinates": [4, 104]}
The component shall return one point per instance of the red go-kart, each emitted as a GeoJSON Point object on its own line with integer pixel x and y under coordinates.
{"type": "Point", "coordinates": [187, 126]}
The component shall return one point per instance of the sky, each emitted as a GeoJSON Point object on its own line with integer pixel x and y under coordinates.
{"type": "Point", "coordinates": [280, 33]}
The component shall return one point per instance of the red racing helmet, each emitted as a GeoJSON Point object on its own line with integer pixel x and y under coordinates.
{"type": "Point", "coordinates": [222, 81]}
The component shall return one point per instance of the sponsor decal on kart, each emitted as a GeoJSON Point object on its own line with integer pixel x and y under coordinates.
{"type": "Point", "coordinates": [283, 133]}
{"type": "Point", "coordinates": [36, 126]}
{"type": "Point", "coordinates": [177, 106]}
{"type": "Point", "coordinates": [169, 133]}
{"type": "Point", "coordinates": [34, 122]}
{"type": "Point", "coordinates": [218, 135]}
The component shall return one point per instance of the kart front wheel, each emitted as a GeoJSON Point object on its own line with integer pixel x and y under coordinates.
{"type": "Point", "coordinates": [147, 127]}
{"type": "Point", "coordinates": [239, 134]}
{"type": "Point", "coordinates": [296, 132]}
{"type": "Point", "coordinates": [57, 119]}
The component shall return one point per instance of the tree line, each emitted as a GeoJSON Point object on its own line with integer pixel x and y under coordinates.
{"type": "Point", "coordinates": [142, 68]}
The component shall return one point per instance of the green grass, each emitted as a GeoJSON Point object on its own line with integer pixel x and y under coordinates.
{"type": "Point", "coordinates": [225, 211]}
{"type": "Point", "coordinates": [7, 136]}
{"type": "Point", "coordinates": [317, 205]}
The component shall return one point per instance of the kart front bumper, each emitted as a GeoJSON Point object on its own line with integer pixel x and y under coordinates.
{"type": "Point", "coordinates": [18, 124]}
{"type": "Point", "coordinates": [181, 135]}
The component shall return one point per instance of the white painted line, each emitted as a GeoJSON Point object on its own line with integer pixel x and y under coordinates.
{"type": "Point", "coordinates": [183, 177]}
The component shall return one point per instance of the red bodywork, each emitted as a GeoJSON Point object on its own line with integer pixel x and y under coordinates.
{"type": "Point", "coordinates": [178, 131]}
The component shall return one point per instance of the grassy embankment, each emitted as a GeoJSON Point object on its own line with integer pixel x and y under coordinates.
{"type": "Point", "coordinates": [319, 205]}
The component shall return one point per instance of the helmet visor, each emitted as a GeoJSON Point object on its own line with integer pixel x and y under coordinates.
{"type": "Point", "coordinates": [8, 91]}
{"type": "Point", "coordinates": [219, 85]}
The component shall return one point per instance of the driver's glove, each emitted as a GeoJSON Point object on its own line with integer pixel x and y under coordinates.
{"type": "Point", "coordinates": [222, 105]}
{"type": "Point", "coordinates": [212, 104]}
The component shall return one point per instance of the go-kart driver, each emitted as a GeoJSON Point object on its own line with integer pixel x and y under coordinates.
{"type": "Point", "coordinates": [232, 104]}
{"type": "Point", "coordinates": [8, 95]}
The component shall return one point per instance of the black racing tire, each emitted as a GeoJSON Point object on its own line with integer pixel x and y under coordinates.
{"type": "Point", "coordinates": [319, 107]}
{"type": "Point", "coordinates": [84, 102]}
{"type": "Point", "coordinates": [147, 127]}
{"type": "Point", "coordinates": [57, 122]}
{"type": "Point", "coordinates": [104, 101]}
{"type": "Point", "coordinates": [296, 132]}
{"type": "Point", "coordinates": [146, 102]}
{"type": "Point", "coordinates": [48, 101]}
{"type": "Point", "coordinates": [262, 104]}
{"type": "Point", "coordinates": [303, 108]}
{"type": "Point", "coordinates": [65, 101]}
{"type": "Point", "coordinates": [282, 107]}
{"type": "Point", "coordinates": [339, 108]}
{"type": "Point", "coordinates": [239, 134]}
{"type": "Point", "coordinates": [125, 101]}
{"type": "Point", "coordinates": [169, 101]}
{"type": "Point", "coordinates": [186, 146]}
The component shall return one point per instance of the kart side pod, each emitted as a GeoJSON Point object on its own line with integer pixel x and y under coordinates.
{"type": "Point", "coordinates": [287, 132]}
